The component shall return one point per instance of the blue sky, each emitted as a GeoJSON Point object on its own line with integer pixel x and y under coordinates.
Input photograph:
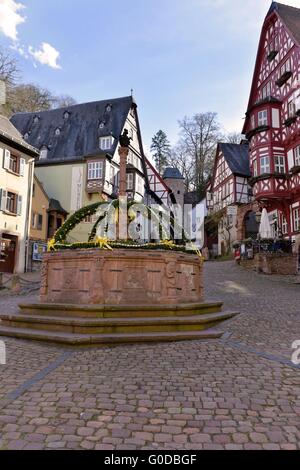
{"type": "Point", "coordinates": [180, 57]}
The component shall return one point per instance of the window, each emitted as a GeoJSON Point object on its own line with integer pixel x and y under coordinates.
{"type": "Point", "coordinates": [141, 185]}
{"type": "Point", "coordinates": [33, 219]}
{"type": "Point", "coordinates": [43, 153]}
{"type": "Point", "coordinates": [57, 132]}
{"type": "Point", "coordinates": [253, 121]}
{"type": "Point", "coordinates": [291, 108]}
{"type": "Point", "coordinates": [39, 222]}
{"type": "Point", "coordinates": [106, 143]}
{"type": "Point", "coordinates": [264, 165]}
{"type": "Point", "coordinates": [286, 67]}
{"type": "Point", "coordinates": [130, 181]}
{"type": "Point", "coordinates": [297, 156]}
{"type": "Point", "coordinates": [263, 118]}
{"type": "Point", "coordinates": [266, 91]}
{"type": "Point", "coordinates": [279, 164]}
{"type": "Point", "coordinates": [14, 164]}
{"type": "Point", "coordinates": [296, 220]}
{"type": "Point", "coordinates": [255, 172]}
{"type": "Point", "coordinates": [11, 203]}
{"type": "Point", "coordinates": [95, 170]}
{"type": "Point", "coordinates": [284, 225]}
{"type": "Point", "coordinates": [112, 175]}
{"type": "Point", "coordinates": [273, 45]}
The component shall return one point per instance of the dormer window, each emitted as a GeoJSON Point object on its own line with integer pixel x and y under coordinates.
{"type": "Point", "coordinates": [43, 153]}
{"type": "Point", "coordinates": [66, 115]}
{"type": "Point", "coordinates": [106, 143]}
{"type": "Point", "coordinates": [108, 108]}
{"type": "Point", "coordinates": [26, 136]}
{"type": "Point", "coordinates": [36, 119]}
{"type": "Point", "coordinates": [102, 125]}
{"type": "Point", "coordinates": [57, 132]}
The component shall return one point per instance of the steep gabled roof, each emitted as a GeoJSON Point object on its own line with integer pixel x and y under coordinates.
{"type": "Point", "coordinates": [10, 134]}
{"type": "Point", "coordinates": [172, 173]}
{"type": "Point", "coordinates": [290, 16]}
{"type": "Point", "coordinates": [237, 158]}
{"type": "Point", "coordinates": [79, 128]}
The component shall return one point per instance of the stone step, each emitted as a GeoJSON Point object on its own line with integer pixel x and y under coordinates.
{"type": "Point", "coordinates": [114, 325]}
{"type": "Point", "coordinates": [117, 311]}
{"type": "Point", "coordinates": [106, 339]}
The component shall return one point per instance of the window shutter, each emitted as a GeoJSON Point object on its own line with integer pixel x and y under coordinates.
{"type": "Point", "coordinates": [19, 206]}
{"type": "Point", "coordinates": [3, 195]}
{"type": "Point", "coordinates": [22, 166]}
{"type": "Point", "coordinates": [6, 159]}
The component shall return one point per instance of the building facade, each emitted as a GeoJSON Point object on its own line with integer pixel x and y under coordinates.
{"type": "Point", "coordinates": [17, 159]}
{"type": "Point", "coordinates": [227, 192]}
{"type": "Point", "coordinates": [272, 123]}
{"type": "Point", "coordinates": [79, 160]}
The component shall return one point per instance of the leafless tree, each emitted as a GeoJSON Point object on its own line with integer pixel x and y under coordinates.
{"type": "Point", "coordinates": [233, 138]}
{"type": "Point", "coordinates": [63, 101]}
{"type": "Point", "coordinates": [199, 135]}
{"type": "Point", "coordinates": [29, 98]}
{"type": "Point", "coordinates": [9, 71]}
{"type": "Point", "coordinates": [179, 159]}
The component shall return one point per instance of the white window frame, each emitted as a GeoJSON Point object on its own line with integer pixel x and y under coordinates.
{"type": "Point", "coordinates": [297, 156]}
{"type": "Point", "coordinates": [264, 165]}
{"type": "Point", "coordinates": [284, 225]}
{"type": "Point", "coordinates": [43, 153]}
{"type": "Point", "coordinates": [266, 91]}
{"type": "Point", "coordinates": [286, 67]}
{"type": "Point", "coordinates": [130, 181]}
{"type": "Point", "coordinates": [279, 162]}
{"type": "Point", "coordinates": [106, 143]}
{"type": "Point", "coordinates": [263, 118]}
{"type": "Point", "coordinates": [255, 169]}
{"type": "Point", "coordinates": [296, 218]}
{"type": "Point", "coordinates": [95, 170]}
{"type": "Point", "coordinates": [291, 108]}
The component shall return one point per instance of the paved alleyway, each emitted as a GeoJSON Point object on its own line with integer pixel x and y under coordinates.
{"type": "Point", "coordinates": [241, 392]}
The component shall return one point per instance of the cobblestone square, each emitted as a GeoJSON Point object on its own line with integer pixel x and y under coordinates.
{"type": "Point", "coordinates": [239, 392]}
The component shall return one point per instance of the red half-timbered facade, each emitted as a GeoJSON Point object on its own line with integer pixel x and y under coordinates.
{"type": "Point", "coordinates": [272, 124]}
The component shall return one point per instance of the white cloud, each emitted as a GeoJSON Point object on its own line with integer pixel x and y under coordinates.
{"type": "Point", "coordinates": [10, 18]}
{"type": "Point", "coordinates": [46, 55]}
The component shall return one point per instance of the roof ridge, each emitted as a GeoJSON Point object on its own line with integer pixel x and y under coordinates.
{"type": "Point", "coordinates": [66, 108]}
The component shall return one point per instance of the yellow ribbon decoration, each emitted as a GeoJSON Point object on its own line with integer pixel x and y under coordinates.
{"type": "Point", "coordinates": [103, 243]}
{"type": "Point", "coordinates": [51, 245]}
{"type": "Point", "coordinates": [168, 243]}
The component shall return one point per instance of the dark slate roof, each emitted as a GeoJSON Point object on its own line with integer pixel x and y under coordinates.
{"type": "Point", "coordinates": [79, 133]}
{"type": "Point", "coordinates": [237, 158]}
{"type": "Point", "coordinates": [192, 197]}
{"type": "Point", "coordinates": [173, 173]}
{"type": "Point", "coordinates": [290, 16]}
{"type": "Point", "coordinates": [8, 131]}
{"type": "Point", "coordinates": [54, 205]}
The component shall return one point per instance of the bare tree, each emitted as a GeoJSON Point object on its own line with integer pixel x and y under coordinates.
{"type": "Point", "coordinates": [233, 138]}
{"type": "Point", "coordinates": [29, 98]}
{"type": "Point", "coordinates": [199, 136]}
{"type": "Point", "coordinates": [179, 159]}
{"type": "Point", "coordinates": [9, 71]}
{"type": "Point", "coordinates": [63, 101]}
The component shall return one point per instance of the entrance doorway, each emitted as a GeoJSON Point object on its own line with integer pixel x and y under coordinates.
{"type": "Point", "coordinates": [8, 248]}
{"type": "Point", "coordinates": [251, 226]}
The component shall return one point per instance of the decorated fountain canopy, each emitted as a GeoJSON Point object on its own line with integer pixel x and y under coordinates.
{"type": "Point", "coordinates": [146, 227]}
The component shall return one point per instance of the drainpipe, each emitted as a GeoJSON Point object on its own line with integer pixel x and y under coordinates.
{"type": "Point", "coordinates": [28, 218]}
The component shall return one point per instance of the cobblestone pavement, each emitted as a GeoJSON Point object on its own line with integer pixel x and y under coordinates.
{"type": "Point", "coordinates": [241, 392]}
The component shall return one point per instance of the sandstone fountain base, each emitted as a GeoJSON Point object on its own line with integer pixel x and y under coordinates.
{"type": "Point", "coordinates": [91, 297]}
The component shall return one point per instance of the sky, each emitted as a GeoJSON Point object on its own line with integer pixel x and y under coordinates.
{"type": "Point", "coordinates": [179, 57]}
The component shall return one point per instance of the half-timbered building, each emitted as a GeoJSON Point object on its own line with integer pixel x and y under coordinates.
{"type": "Point", "coordinates": [272, 124]}
{"type": "Point", "coordinates": [228, 189]}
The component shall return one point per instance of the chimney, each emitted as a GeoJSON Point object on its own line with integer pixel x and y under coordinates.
{"type": "Point", "coordinates": [2, 93]}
